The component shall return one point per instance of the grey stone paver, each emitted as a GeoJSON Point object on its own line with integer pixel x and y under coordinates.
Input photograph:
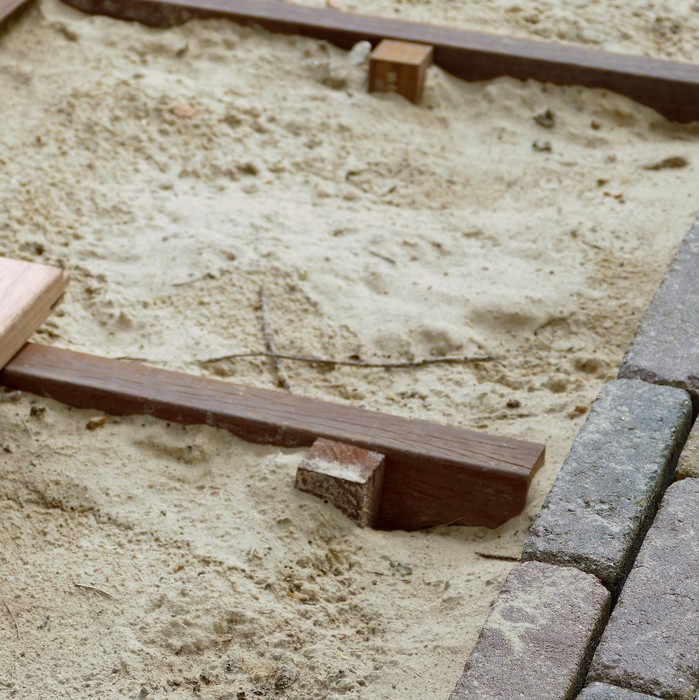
{"type": "Point", "coordinates": [650, 644]}
{"type": "Point", "coordinates": [602, 691]}
{"type": "Point", "coordinates": [537, 639]}
{"type": "Point", "coordinates": [688, 465]}
{"type": "Point", "coordinates": [609, 487]}
{"type": "Point", "coordinates": [666, 348]}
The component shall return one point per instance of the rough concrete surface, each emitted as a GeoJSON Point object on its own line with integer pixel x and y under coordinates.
{"type": "Point", "coordinates": [609, 487]}
{"type": "Point", "coordinates": [537, 639]}
{"type": "Point", "coordinates": [666, 348]}
{"type": "Point", "coordinates": [650, 644]}
{"type": "Point", "coordinates": [602, 691]}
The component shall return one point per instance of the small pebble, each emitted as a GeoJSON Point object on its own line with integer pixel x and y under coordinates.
{"type": "Point", "coordinates": [546, 119]}
{"type": "Point", "coordinates": [97, 422]}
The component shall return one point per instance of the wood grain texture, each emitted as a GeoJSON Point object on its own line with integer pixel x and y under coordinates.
{"type": "Point", "coordinates": [670, 88]}
{"type": "Point", "coordinates": [27, 294]}
{"type": "Point", "coordinates": [434, 474]}
{"type": "Point", "coordinates": [9, 7]}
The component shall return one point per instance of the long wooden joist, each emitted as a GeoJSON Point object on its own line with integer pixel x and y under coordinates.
{"type": "Point", "coordinates": [669, 87]}
{"type": "Point", "coordinates": [434, 474]}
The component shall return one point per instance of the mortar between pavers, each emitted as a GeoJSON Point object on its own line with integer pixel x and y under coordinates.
{"type": "Point", "coordinates": [602, 691]}
{"type": "Point", "coordinates": [538, 638]}
{"type": "Point", "coordinates": [688, 465]}
{"type": "Point", "coordinates": [666, 347]}
{"type": "Point", "coordinates": [609, 486]}
{"type": "Point", "coordinates": [650, 644]}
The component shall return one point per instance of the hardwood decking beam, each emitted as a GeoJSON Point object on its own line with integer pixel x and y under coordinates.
{"type": "Point", "coordinates": [434, 474]}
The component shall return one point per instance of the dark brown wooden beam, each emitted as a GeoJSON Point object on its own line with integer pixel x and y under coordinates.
{"type": "Point", "coordinates": [434, 474]}
{"type": "Point", "coordinates": [670, 88]}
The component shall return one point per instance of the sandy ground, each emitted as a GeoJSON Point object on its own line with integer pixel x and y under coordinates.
{"type": "Point", "coordinates": [176, 172]}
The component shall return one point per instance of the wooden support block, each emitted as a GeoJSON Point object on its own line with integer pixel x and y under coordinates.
{"type": "Point", "coordinates": [434, 474]}
{"type": "Point", "coordinates": [27, 294]}
{"type": "Point", "coordinates": [399, 66]}
{"type": "Point", "coordinates": [350, 477]}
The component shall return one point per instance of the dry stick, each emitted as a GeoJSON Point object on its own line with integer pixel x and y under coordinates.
{"type": "Point", "coordinates": [496, 557]}
{"type": "Point", "coordinates": [271, 346]}
{"type": "Point", "coordinates": [94, 588]}
{"type": "Point", "coordinates": [446, 359]}
{"type": "Point", "coordinates": [207, 276]}
{"type": "Point", "coordinates": [12, 615]}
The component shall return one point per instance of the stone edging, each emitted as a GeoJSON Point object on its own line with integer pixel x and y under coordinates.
{"type": "Point", "coordinates": [597, 527]}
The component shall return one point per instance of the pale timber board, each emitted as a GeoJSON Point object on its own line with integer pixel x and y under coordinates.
{"type": "Point", "coordinates": [9, 7]}
{"type": "Point", "coordinates": [27, 293]}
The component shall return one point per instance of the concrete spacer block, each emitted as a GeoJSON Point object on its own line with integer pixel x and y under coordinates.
{"type": "Point", "coordinates": [602, 691]}
{"type": "Point", "coordinates": [688, 465]}
{"type": "Point", "coordinates": [350, 477]}
{"type": "Point", "coordinates": [666, 348]}
{"type": "Point", "coordinates": [538, 638]}
{"type": "Point", "coordinates": [609, 487]}
{"type": "Point", "coordinates": [650, 644]}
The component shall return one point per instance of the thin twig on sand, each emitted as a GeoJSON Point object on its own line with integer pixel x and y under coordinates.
{"type": "Point", "coordinates": [496, 557]}
{"type": "Point", "coordinates": [361, 364]}
{"type": "Point", "coordinates": [271, 345]}
{"type": "Point", "coordinates": [93, 588]}
{"type": "Point", "coordinates": [12, 615]}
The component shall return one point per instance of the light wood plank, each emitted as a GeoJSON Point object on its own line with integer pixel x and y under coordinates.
{"type": "Point", "coordinates": [434, 474]}
{"type": "Point", "coordinates": [9, 7]}
{"type": "Point", "coordinates": [669, 87]}
{"type": "Point", "coordinates": [27, 294]}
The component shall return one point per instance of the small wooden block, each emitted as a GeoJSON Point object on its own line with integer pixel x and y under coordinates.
{"type": "Point", "coordinates": [350, 477]}
{"type": "Point", "coordinates": [399, 66]}
{"type": "Point", "coordinates": [27, 294]}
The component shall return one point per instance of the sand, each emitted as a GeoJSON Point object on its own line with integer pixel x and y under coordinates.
{"type": "Point", "coordinates": [175, 173]}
